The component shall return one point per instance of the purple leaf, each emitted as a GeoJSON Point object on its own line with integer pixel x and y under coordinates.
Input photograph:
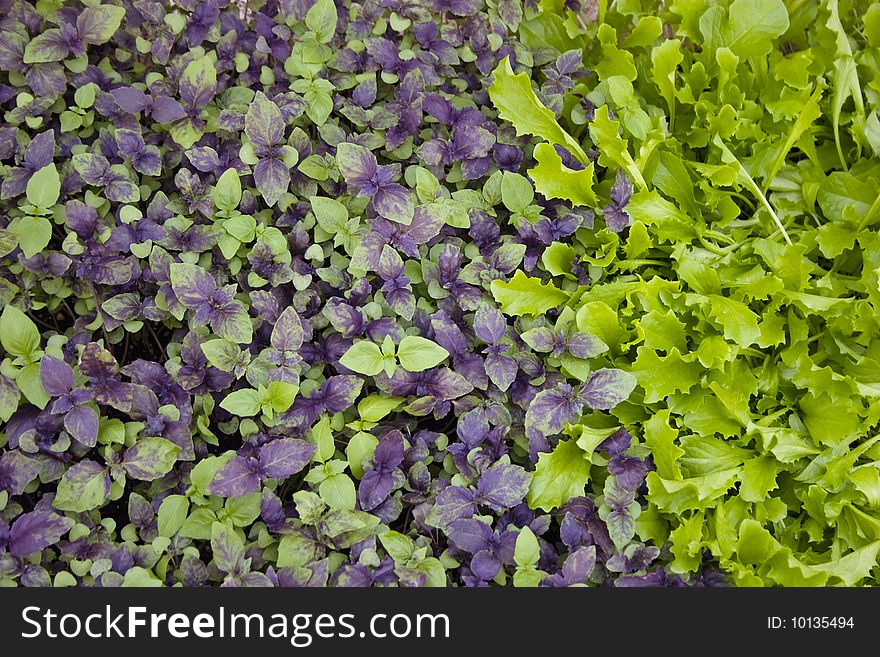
{"type": "Point", "coordinates": [132, 100]}
{"type": "Point", "coordinates": [551, 409]}
{"type": "Point", "coordinates": [36, 531]}
{"type": "Point", "coordinates": [56, 376]}
{"type": "Point", "coordinates": [129, 142]}
{"type": "Point", "coordinates": [579, 565]}
{"type": "Point", "coordinates": [629, 470]}
{"type": "Point", "coordinates": [272, 178]}
{"type": "Point", "coordinates": [235, 479]}
{"type": "Point", "coordinates": [166, 110]}
{"type": "Point", "coordinates": [263, 123]}
{"type": "Point", "coordinates": [485, 565]}
{"type": "Point", "coordinates": [446, 384]}
{"type": "Point", "coordinates": [390, 264]}
{"type": "Point", "coordinates": [501, 369]}
{"type": "Point", "coordinates": [340, 392]}
{"type": "Point", "coordinates": [503, 486]}
{"type": "Point", "coordinates": [606, 388]}
{"type": "Point", "coordinates": [81, 218]}
{"type": "Point", "coordinates": [374, 489]}
{"type": "Point", "coordinates": [389, 451]}
{"type": "Point", "coordinates": [615, 218]}
{"type": "Point", "coordinates": [489, 324]}
{"type": "Point", "coordinates": [202, 20]}
{"type": "Point", "coordinates": [540, 339]}
{"type": "Point", "coordinates": [453, 503]}
{"type": "Point", "coordinates": [469, 535]}
{"type": "Point", "coordinates": [204, 158]}
{"type": "Point", "coordinates": [40, 151]}
{"type": "Point", "coordinates": [193, 286]}
{"type": "Point", "coordinates": [622, 189]}
{"type": "Point", "coordinates": [17, 471]}
{"type": "Point", "coordinates": [285, 457]}
{"type": "Point", "coordinates": [356, 164]}
{"type": "Point", "coordinates": [48, 46]}
{"type": "Point", "coordinates": [198, 83]}
{"type": "Point", "coordinates": [582, 345]}
{"type": "Point", "coordinates": [617, 443]}
{"type": "Point", "coordinates": [94, 169]}
{"type": "Point", "coordinates": [287, 334]}
{"type": "Point", "coordinates": [81, 422]}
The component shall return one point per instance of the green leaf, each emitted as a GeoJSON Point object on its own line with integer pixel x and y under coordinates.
{"type": "Point", "coordinates": [243, 403]}
{"type": "Point", "coordinates": [558, 258]}
{"type": "Point", "coordinates": [84, 96]}
{"type": "Point", "coordinates": [527, 551]}
{"type": "Point", "coordinates": [296, 550]}
{"type": "Point", "coordinates": [28, 381]}
{"type": "Point", "coordinates": [512, 95]}
{"type": "Point", "coordinates": [687, 544]}
{"type": "Point", "coordinates": [361, 447]}
{"type": "Point", "coordinates": [18, 334]}
{"type": "Point", "coordinates": [676, 497]}
{"type": "Point", "coordinates": [279, 396]}
{"type": "Point", "coordinates": [844, 197]}
{"type": "Point", "coordinates": [364, 357]}
{"type": "Point", "coordinates": [32, 233]}
{"type": "Point", "coordinates": [242, 227]}
{"type": "Point", "coordinates": [185, 132]}
{"type": "Point", "coordinates": [526, 296]}
{"type": "Point", "coordinates": [398, 546]}
{"type": "Point", "coordinates": [752, 26]}
{"type": "Point", "coordinates": [808, 114]}
{"type": "Point", "coordinates": [243, 511]}
{"type": "Point", "coordinates": [319, 102]}
{"type": "Point", "coordinates": [321, 19]}
{"type": "Point", "coordinates": [227, 191]}
{"type": "Point", "coordinates": [746, 180]}
{"type": "Point", "coordinates": [662, 376]}
{"type": "Point", "coordinates": [527, 577]}
{"type": "Point", "coordinates": [555, 180]}
{"type": "Point", "coordinates": [665, 60]}
{"type": "Point", "coordinates": [516, 191]}
{"type": "Point", "coordinates": [140, 577]}
{"type": "Point", "coordinates": [44, 187]}
{"type": "Point", "coordinates": [222, 354]}
{"type": "Point", "coordinates": [418, 354]}
{"type": "Point", "coordinates": [198, 525]}
{"type": "Point", "coordinates": [83, 487]}
{"type": "Point", "coordinates": [559, 476]}
{"type": "Point", "coordinates": [739, 323]}
{"type": "Point", "coordinates": [95, 25]}
{"type": "Point", "coordinates": [150, 458]}
{"type": "Point", "coordinates": [226, 547]}
{"type": "Point", "coordinates": [330, 214]}
{"type": "Point", "coordinates": [613, 150]}
{"type": "Point", "coordinates": [758, 478]}
{"type": "Point", "coordinates": [660, 437]}
{"type": "Point", "coordinates": [669, 223]}
{"type": "Point", "coordinates": [373, 408]}
{"type": "Point", "coordinates": [172, 514]}
{"type": "Point", "coordinates": [338, 492]}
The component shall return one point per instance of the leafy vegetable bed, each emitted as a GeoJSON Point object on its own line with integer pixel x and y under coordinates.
{"type": "Point", "coordinates": [439, 293]}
